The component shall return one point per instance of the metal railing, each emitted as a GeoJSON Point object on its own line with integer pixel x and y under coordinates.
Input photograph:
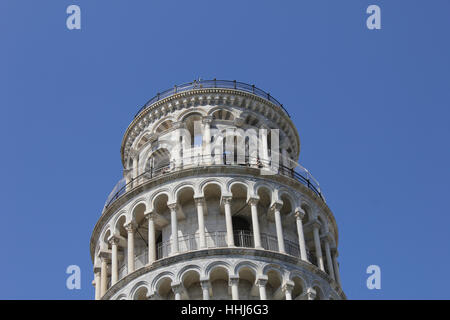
{"type": "Point", "coordinates": [298, 173]}
{"type": "Point", "coordinates": [202, 84]}
{"type": "Point", "coordinates": [216, 239]}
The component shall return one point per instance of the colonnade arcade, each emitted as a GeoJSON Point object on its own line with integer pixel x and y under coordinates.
{"type": "Point", "coordinates": [221, 280]}
{"type": "Point", "coordinates": [214, 213]}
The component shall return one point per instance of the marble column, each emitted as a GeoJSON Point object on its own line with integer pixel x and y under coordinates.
{"type": "Point", "coordinates": [261, 283]}
{"type": "Point", "coordinates": [177, 289]}
{"type": "Point", "coordinates": [103, 276]}
{"type": "Point", "coordinates": [319, 256]}
{"type": "Point", "coordinates": [287, 289]}
{"type": "Point", "coordinates": [234, 284]}
{"type": "Point", "coordinates": [328, 256]}
{"type": "Point", "coordinates": [255, 222]}
{"type": "Point", "coordinates": [228, 220]}
{"type": "Point", "coordinates": [114, 241]}
{"type": "Point", "coordinates": [207, 140]}
{"type": "Point", "coordinates": [151, 237]}
{"type": "Point", "coordinates": [97, 281]}
{"type": "Point", "coordinates": [174, 227]}
{"type": "Point", "coordinates": [264, 149]}
{"type": "Point", "coordinates": [336, 267]}
{"type": "Point", "coordinates": [205, 289]}
{"type": "Point", "coordinates": [299, 215]}
{"type": "Point", "coordinates": [276, 207]}
{"type": "Point", "coordinates": [200, 203]}
{"type": "Point", "coordinates": [130, 247]}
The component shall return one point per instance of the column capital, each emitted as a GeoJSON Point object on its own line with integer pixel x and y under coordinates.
{"type": "Point", "coordinates": [172, 206]}
{"type": "Point", "coordinates": [113, 240]}
{"type": "Point", "coordinates": [239, 122]}
{"type": "Point", "coordinates": [97, 269]}
{"type": "Point", "coordinates": [199, 201]}
{"type": "Point", "coordinates": [150, 215]}
{"type": "Point", "coordinates": [316, 224]}
{"type": "Point", "coordinates": [288, 286]}
{"type": "Point", "coordinates": [233, 280]}
{"type": "Point", "coordinates": [207, 119]}
{"type": "Point", "coordinates": [177, 288]}
{"type": "Point", "coordinates": [277, 205]}
{"type": "Point", "coordinates": [205, 284]}
{"type": "Point", "coordinates": [261, 281]}
{"type": "Point", "coordinates": [311, 293]}
{"type": "Point", "coordinates": [130, 227]}
{"type": "Point", "coordinates": [253, 201]}
{"type": "Point", "coordinates": [300, 214]}
{"type": "Point", "coordinates": [226, 199]}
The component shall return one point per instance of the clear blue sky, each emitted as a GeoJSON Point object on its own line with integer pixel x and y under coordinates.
{"type": "Point", "coordinates": [371, 107]}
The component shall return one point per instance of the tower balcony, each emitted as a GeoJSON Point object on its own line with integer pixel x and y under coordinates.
{"type": "Point", "coordinates": [280, 166]}
{"type": "Point", "coordinates": [205, 84]}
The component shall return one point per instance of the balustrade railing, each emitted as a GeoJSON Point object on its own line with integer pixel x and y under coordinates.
{"type": "Point", "coordinates": [296, 172]}
{"type": "Point", "coordinates": [216, 239]}
{"type": "Point", "coordinates": [203, 84]}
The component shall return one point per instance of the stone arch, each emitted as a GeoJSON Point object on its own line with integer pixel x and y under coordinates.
{"type": "Point", "coordinates": [143, 139]}
{"type": "Point", "coordinates": [239, 182]}
{"type": "Point", "coordinates": [153, 197]}
{"type": "Point", "coordinates": [218, 264]}
{"type": "Point", "coordinates": [161, 285]}
{"type": "Point", "coordinates": [122, 296]}
{"type": "Point", "coordinates": [184, 185]}
{"type": "Point", "coordinates": [160, 122]}
{"type": "Point", "coordinates": [309, 214]}
{"type": "Point", "coordinates": [319, 290]}
{"type": "Point", "coordinates": [136, 288]}
{"type": "Point", "coordinates": [221, 113]}
{"type": "Point", "coordinates": [118, 222]}
{"type": "Point", "coordinates": [300, 284]}
{"type": "Point", "coordinates": [139, 206]}
{"type": "Point", "coordinates": [211, 181]}
{"type": "Point", "coordinates": [261, 185]}
{"type": "Point", "coordinates": [185, 269]}
{"type": "Point", "coordinates": [191, 111]}
{"type": "Point", "coordinates": [154, 286]}
{"type": "Point", "coordinates": [247, 264]}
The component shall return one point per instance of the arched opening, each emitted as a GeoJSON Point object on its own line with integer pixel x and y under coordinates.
{"type": "Point", "coordinates": [247, 287]}
{"type": "Point", "coordinates": [159, 162]}
{"type": "Point", "coordinates": [241, 217]}
{"type": "Point", "coordinates": [219, 284]}
{"type": "Point", "coordinates": [166, 125]}
{"type": "Point", "coordinates": [161, 208]}
{"type": "Point", "coordinates": [298, 290]}
{"type": "Point", "coordinates": [121, 251]}
{"type": "Point", "coordinates": [164, 289]}
{"type": "Point", "coordinates": [273, 285]}
{"type": "Point", "coordinates": [140, 236]}
{"type": "Point", "coordinates": [191, 283]}
{"type": "Point", "coordinates": [243, 236]}
{"type": "Point", "coordinates": [222, 114]}
{"type": "Point", "coordinates": [319, 293]}
{"type": "Point", "coordinates": [213, 193]}
{"type": "Point", "coordinates": [189, 241]}
{"type": "Point", "coordinates": [141, 294]}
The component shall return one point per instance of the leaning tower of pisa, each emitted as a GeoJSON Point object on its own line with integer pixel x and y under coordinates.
{"type": "Point", "coordinates": [214, 205]}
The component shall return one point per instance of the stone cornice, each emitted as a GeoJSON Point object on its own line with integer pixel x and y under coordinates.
{"type": "Point", "coordinates": [205, 171]}
{"type": "Point", "coordinates": [140, 122]}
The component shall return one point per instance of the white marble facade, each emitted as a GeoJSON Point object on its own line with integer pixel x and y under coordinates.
{"type": "Point", "coordinates": [206, 225]}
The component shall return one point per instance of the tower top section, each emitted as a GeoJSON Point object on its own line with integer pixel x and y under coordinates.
{"type": "Point", "coordinates": [252, 107]}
